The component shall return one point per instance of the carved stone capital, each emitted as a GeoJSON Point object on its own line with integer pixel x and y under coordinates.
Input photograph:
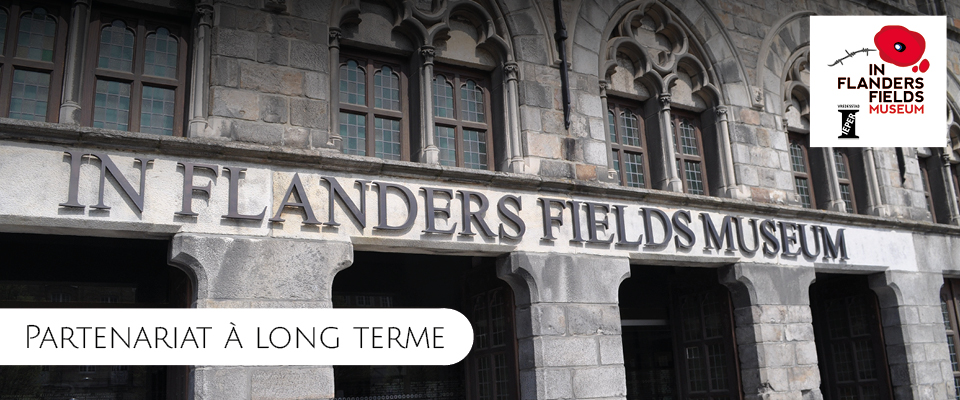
{"type": "Point", "coordinates": [511, 69]}
{"type": "Point", "coordinates": [721, 112]}
{"type": "Point", "coordinates": [335, 36]}
{"type": "Point", "coordinates": [603, 88]}
{"type": "Point", "coordinates": [428, 52]}
{"type": "Point", "coordinates": [664, 100]}
{"type": "Point", "coordinates": [205, 13]}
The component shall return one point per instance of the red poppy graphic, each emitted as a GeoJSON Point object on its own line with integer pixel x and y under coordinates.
{"type": "Point", "coordinates": [900, 46]}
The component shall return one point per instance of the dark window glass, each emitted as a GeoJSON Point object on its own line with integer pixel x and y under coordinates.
{"type": "Point", "coordinates": [800, 163]}
{"type": "Point", "coordinates": [688, 146]}
{"type": "Point", "coordinates": [627, 143]}
{"type": "Point", "coordinates": [31, 65]}
{"type": "Point", "coordinates": [371, 108]}
{"type": "Point", "coordinates": [462, 135]}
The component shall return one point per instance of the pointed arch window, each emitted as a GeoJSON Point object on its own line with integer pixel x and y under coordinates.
{"type": "Point", "coordinates": [138, 70]}
{"type": "Point", "coordinates": [800, 164]}
{"type": "Point", "coordinates": [461, 113]}
{"type": "Point", "coordinates": [372, 108]}
{"type": "Point", "coordinates": [628, 144]}
{"type": "Point", "coordinates": [845, 179]}
{"type": "Point", "coordinates": [32, 39]}
{"type": "Point", "coordinates": [688, 146]}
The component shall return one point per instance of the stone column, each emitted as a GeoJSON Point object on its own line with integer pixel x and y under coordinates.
{"type": "Point", "coordinates": [874, 199]}
{"type": "Point", "coordinates": [835, 202]}
{"type": "Point", "coordinates": [568, 324]}
{"type": "Point", "coordinates": [730, 188]}
{"type": "Point", "coordinates": [510, 70]}
{"type": "Point", "coordinates": [604, 109]}
{"type": "Point", "coordinates": [333, 139]}
{"type": "Point", "coordinates": [949, 187]}
{"type": "Point", "coordinates": [914, 334]}
{"type": "Point", "coordinates": [673, 183]}
{"type": "Point", "coordinates": [774, 328]}
{"type": "Point", "coordinates": [235, 272]}
{"type": "Point", "coordinates": [73, 65]}
{"type": "Point", "coordinates": [199, 71]}
{"type": "Point", "coordinates": [429, 154]}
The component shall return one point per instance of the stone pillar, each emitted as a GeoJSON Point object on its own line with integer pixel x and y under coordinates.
{"type": "Point", "coordinates": [949, 187]}
{"type": "Point", "coordinates": [774, 328]}
{"type": "Point", "coordinates": [874, 199]}
{"type": "Point", "coordinates": [199, 71]}
{"type": "Point", "coordinates": [237, 272]}
{"type": "Point", "coordinates": [835, 202]}
{"type": "Point", "coordinates": [429, 154]}
{"type": "Point", "coordinates": [604, 109]}
{"type": "Point", "coordinates": [333, 139]}
{"type": "Point", "coordinates": [913, 330]}
{"type": "Point", "coordinates": [730, 188]}
{"type": "Point", "coordinates": [568, 324]}
{"type": "Point", "coordinates": [673, 183]}
{"type": "Point", "coordinates": [510, 70]}
{"type": "Point", "coordinates": [73, 65]}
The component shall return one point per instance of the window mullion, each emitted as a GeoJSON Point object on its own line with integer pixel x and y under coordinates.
{"type": "Point", "coordinates": [371, 134]}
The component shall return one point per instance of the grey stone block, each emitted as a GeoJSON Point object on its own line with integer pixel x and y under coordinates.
{"type": "Point", "coordinates": [274, 109]}
{"type": "Point", "coordinates": [288, 383]}
{"type": "Point", "coordinates": [254, 132]}
{"type": "Point", "coordinates": [224, 71]}
{"type": "Point", "coordinates": [308, 113]}
{"type": "Point", "coordinates": [271, 79]}
{"type": "Point", "coordinates": [611, 349]}
{"type": "Point", "coordinates": [316, 85]}
{"type": "Point", "coordinates": [567, 351]}
{"type": "Point", "coordinates": [531, 49]}
{"type": "Point", "coordinates": [309, 56]}
{"type": "Point", "coordinates": [599, 382]}
{"type": "Point", "coordinates": [557, 169]}
{"type": "Point", "coordinates": [273, 49]}
{"type": "Point", "coordinates": [536, 95]}
{"type": "Point", "coordinates": [233, 103]}
{"type": "Point", "coordinates": [560, 278]}
{"type": "Point", "coordinates": [548, 320]}
{"type": "Point", "coordinates": [222, 382]}
{"type": "Point", "coordinates": [296, 137]}
{"type": "Point", "coordinates": [593, 319]}
{"type": "Point", "coordinates": [235, 43]}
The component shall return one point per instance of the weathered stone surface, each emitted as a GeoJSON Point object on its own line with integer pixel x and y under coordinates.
{"type": "Point", "coordinates": [235, 43]}
{"type": "Point", "coordinates": [308, 113]}
{"type": "Point", "coordinates": [287, 383]}
{"type": "Point", "coordinates": [235, 103]}
{"type": "Point", "coordinates": [274, 109]}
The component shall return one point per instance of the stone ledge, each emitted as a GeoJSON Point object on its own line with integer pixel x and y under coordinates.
{"type": "Point", "coordinates": [45, 133]}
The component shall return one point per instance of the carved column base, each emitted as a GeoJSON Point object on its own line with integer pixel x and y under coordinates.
{"type": "Point", "coordinates": [516, 166]}
{"type": "Point", "coordinates": [738, 192]}
{"type": "Point", "coordinates": [197, 127]}
{"type": "Point", "coordinates": [70, 113]}
{"type": "Point", "coordinates": [674, 185]}
{"type": "Point", "coordinates": [837, 205]}
{"type": "Point", "coordinates": [431, 155]}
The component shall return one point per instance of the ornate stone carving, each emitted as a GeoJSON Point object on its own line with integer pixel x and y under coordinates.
{"type": "Point", "coordinates": [603, 88]}
{"type": "Point", "coordinates": [511, 70]}
{"type": "Point", "coordinates": [721, 112]}
{"type": "Point", "coordinates": [335, 36]}
{"type": "Point", "coordinates": [205, 12]}
{"type": "Point", "coordinates": [664, 100]}
{"type": "Point", "coordinates": [428, 52]}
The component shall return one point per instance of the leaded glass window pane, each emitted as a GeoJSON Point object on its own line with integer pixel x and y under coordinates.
{"type": "Point", "coordinates": [474, 149]}
{"type": "Point", "coordinates": [803, 191]}
{"type": "Point", "coordinates": [688, 139]}
{"type": "Point", "coordinates": [865, 366]}
{"type": "Point", "coordinates": [500, 364]}
{"type": "Point", "coordinates": [3, 28]}
{"type": "Point", "coordinates": [847, 198]}
{"type": "Point", "coordinates": [480, 328]}
{"type": "Point", "coordinates": [37, 35]}
{"type": "Point", "coordinates": [111, 105]}
{"type": "Point", "coordinates": [694, 177]}
{"type": "Point", "coordinates": [841, 164]}
{"type": "Point", "coordinates": [116, 47]}
{"type": "Point", "coordinates": [696, 369]}
{"type": "Point", "coordinates": [446, 141]}
{"type": "Point", "coordinates": [611, 127]}
{"type": "Point", "coordinates": [690, 318]}
{"type": "Point", "coordinates": [718, 373]}
{"type": "Point", "coordinates": [442, 97]}
{"type": "Point", "coordinates": [634, 165]}
{"type": "Point", "coordinates": [387, 145]}
{"type": "Point", "coordinates": [30, 91]}
{"type": "Point", "coordinates": [160, 58]}
{"type": "Point", "coordinates": [631, 129]}
{"type": "Point", "coordinates": [156, 111]}
{"type": "Point", "coordinates": [353, 130]}
{"type": "Point", "coordinates": [352, 84]}
{"type": "Point", "coordinates": [497, 319]}
{"type": "Point", "coordinates": [484, 382]}
{"type": "Point", "coordinates": [471, 102]}
{"type": "Point", "coordinates": [797, 159]}
{"type": "Point", "coordinates": [386, 89]}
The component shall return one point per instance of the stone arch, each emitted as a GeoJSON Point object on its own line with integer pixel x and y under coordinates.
{"type": "Point", "coordinates": [795, 89]}
{"type": "Point", "coordinates": [784, 39]}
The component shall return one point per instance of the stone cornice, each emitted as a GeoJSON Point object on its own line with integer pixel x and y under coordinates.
{"type": "Point", "coordinates": [50, 134]}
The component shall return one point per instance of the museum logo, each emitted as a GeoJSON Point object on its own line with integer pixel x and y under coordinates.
{"type": "Point", "coordinates": [877, 81]}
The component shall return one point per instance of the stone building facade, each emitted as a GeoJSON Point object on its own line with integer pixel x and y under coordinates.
{"type": "Point", "coordinates": [623, 202]}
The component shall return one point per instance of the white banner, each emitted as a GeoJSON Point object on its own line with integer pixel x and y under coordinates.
{"type": "Point", "coordinates": [221, 336]}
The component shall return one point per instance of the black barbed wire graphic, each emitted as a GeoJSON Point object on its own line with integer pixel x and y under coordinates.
{"type": "Point", "coordinates": [849, 54]}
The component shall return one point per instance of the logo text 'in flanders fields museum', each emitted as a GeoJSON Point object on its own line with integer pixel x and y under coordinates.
{"type": "Point", "coordinates": [877, 81]}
